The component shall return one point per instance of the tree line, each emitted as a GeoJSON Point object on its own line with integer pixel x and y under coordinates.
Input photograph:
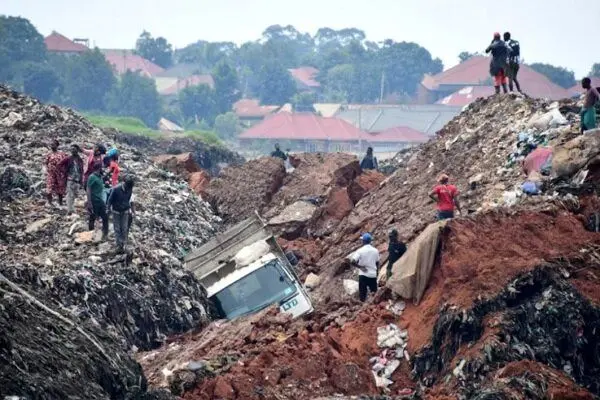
{"type": "Point", "coordinates": [351, 68]}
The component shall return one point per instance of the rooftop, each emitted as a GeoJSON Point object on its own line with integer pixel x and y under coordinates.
{"type": "Point", "coordinates": [466, 95]}
{"type": "Point", "coordinates": [303, 126]}
{"type": "Point", "coordinates": [306, 76]}
{"type": "Point", "coordinates": [56, 42]}
{"type": "Point", "coordinates": [251, 108]}
{"type": "Point", "coordinates": [125, 60]}
{"type": "Point", "coordinates": [172, 86]}
{"type": "Point", "coordinates": [399, 134]}
{"type": "Point", "coordinates": [427, 118]}
{"type": "Point", "coordinates": [475, 72]}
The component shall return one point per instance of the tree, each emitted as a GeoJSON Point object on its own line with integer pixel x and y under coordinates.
{"type": "Point", "coordinates": [88, 81]}
{"type": "Point", "coordinates": [226, 87]}
{"type": "Point", "coordinates": [40, 80]}
{"type": "Point", "coordinates": [136, 96]}
{"type": "Point", "coordinates": [227, 125]}
{"type": "Point", "coordinates": [158, 50]}
{"type": "Point", "coordinates": [20, 43]}
{"type": "Point", "coordinates": [197, 103]}
{"type": "Point", "coordinates": [339, 82]}
{"type": "Point", "coordinates": [304, 102]}
{"type": "Point", "coordinates": [595, 71]}
{"type": "Point", "coordinates": [559, 75]}
{"type": "Point", "coordinates": [465, 55]}
{"type": "Point", "coordinates": [275, 84]}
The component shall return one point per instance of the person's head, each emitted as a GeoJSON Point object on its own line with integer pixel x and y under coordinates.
{"type": "Point", "coordinates": [369, 151]}
{"type": "Point", "coordinates": [54, 145]}
{"type": "Point", "coordinates": [393, 234]}
{"type": "Point", "coordinates": [366, 238]}
{"type": "Point", "coordinates": [129, 182]}
{"type": "Point", "coordinates": [506, 36]}
{"type": "Point", "coordinates": [75, 150]}
{"type": "Point", "coordinates": [277, 146]}
{"type": "Point", "coordinates": [96, 168]}
{"type": "Point", "coordinates": [586, 83]}
{"type": "Point", "coordinates": [99, 149]}
{"type": "Point", "coordinates": [443, 179]}
{"type": "Point", "coordinates": [496, 35]}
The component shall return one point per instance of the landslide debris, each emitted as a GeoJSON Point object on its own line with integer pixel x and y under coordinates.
{"type": "Point", "coordinates": [125, 302]}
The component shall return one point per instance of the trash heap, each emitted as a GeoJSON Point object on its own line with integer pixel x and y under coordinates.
{"type": "Point", "coordinates": [138, 299]}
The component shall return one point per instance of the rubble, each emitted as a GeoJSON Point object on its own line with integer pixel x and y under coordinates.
{"type": "Point", "coordinates": [137, 300]}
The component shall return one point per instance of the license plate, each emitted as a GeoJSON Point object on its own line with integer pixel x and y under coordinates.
{"type": "Point", "coordinates": [289, 305]}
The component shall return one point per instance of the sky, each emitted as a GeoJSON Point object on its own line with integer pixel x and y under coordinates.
{"type": "Point", "coordinates": [557, 32]}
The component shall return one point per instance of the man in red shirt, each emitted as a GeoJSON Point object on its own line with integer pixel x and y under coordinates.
{"type": "Point", "coordinates": [446, 197]}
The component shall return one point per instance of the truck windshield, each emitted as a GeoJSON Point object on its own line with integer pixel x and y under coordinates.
{"type": "Point", "coordinates": [257, 290]}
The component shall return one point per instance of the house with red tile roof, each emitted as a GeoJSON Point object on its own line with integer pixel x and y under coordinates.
{"type": "Point", "coordinates": [250, 111]}
{"type": "Point", "coordinates": [305, 78]}
{"type": "Point", "coordinates": [475, 72]}
{"type": "Point", "coordinates": [466, 95]}
{"type": "Point", "coordinates": [308, 132]}
{"type": "Point", "coordinates": [577, 90]}
{"type": "Point", "coordinates": [126, 60]}
{"type": "Point", "coordinates": [57, 43]}
{"type": "Point", "coordinates": [172, 86]}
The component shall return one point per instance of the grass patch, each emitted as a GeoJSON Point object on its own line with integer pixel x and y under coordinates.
{"type": "Point", "coordinates": [136, 126]}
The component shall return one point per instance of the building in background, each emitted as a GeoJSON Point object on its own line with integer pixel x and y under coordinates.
{"type": "Point", "coordinates": [475, 72]}
{"type": "Point", "coordinates": [306, 79]}
{"type": "Point", "coordinates": [60, 44]}
{"type": "Point", "coordinates": [126, 60]}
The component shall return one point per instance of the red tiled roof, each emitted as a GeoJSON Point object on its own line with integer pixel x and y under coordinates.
{"type": "Point", "coordinates": [466, 95]}
{"type": "Point", "coordinates": [251, 108]}
{"type": "Point", "coordinates": [58, 43]}
{"type": "Point", "coordinates": [577, 89]}
{"type": "Point", "coordinates": [126, 60]}
{"type": "Point", "coordinates": [194, 80]}
{"type": "Point", "coordinates": [303, 126]}
{"type": "Point", "coordinates": [398, 134]}
{"type": "Point", "coordinates": [475, 71]}
{"type": "Point", "coordinates": [306, 76]}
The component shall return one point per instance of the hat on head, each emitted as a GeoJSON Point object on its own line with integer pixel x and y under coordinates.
{"type": "Point", "coordinates": [366, 238]}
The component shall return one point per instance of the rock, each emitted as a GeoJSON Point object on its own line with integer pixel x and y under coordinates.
{"type": "Point", "coordinates": [339, 204]}
{"type": "Point", "coordinates": [362, 184]}
{"type": "Point", "coordinates": [351, 287]}
{"type": "Point", "coordinates": [300, 211]}
{"type": "Point", "coordinates": [38, 225]}
{"type": "Point", "coordinates": [312, 281]}
{"type": "Point", "coordinates": [180, 164]}
{"type": "Point", "coordinates": [573, 155]}
{"type": "Point", "coordinates": [223, 389]}
{"type": "Point", "coordinates": [199, 181]}
{"type": "Point", "coordinates": [474, 180]}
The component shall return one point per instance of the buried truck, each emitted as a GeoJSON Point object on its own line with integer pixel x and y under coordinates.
{"type": "Point", "coordinates": [244, 271]}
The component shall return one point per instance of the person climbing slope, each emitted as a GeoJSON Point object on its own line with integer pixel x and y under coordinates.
{"type": "Point", "coordinates": [588, 112]}
{"type": "Point", "coordinates": [93, 156]}
{"type": "Point", "coordinates": [278, 153]}
{"type": "Point", "coordinates": [396, 249]}
{"type": "Point", "coordinates": [55, 183]}
{"type": "Point", "coordinates": [96, 204]}
{"type": "Point", "coordinates": [120, 202]}
{"type": "Point", "coordinates": [366, 259]}
{"type": "Point", "coordinates": [446, 197]}
{"type": "Point", "coordinates": [73, 176]}
{"type": "Point", "coordinates": [499, 62]}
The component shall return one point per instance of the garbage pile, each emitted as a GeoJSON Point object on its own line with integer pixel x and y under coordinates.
{"type": "Point", "coordinates": [143, 296]}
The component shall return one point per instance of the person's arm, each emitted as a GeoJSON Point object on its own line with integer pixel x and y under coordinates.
{"type": "Point", "coordinates": [457, 204]}
{"type": "Point", "coordinates": [89, 194]}
{"type": "Point", "coordinates": [375, 163]}
{"type": "Point", "coordinates": [433, 195]}
{"type": "Point", "coordinates": [132, 208]}
{"type": "Point", "coordinates": [595, 92]}
{"type": "Point", "coordinates": [110, 200]}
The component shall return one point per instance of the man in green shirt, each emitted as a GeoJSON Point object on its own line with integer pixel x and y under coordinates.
{"type": "Point", "coordinates": [95, 200]}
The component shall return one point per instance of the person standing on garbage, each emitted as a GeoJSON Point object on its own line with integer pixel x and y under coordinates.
{"type": "Point", "coordinates": [366, 259]}
{"type": "Point", "coordinates": [514, 59]}
{"type": "Point", "coordinates": [73, 167]}
{"type": "Point", "coordinates": [55, 183]}
{"type": "Point", "coordinates": [120, 202]}
{"type": "Point", "coordinates": [93, 156]}
{"type": "Point", "coordinates": [113, 166]}
{"type": "Point", "coordinates": [396, 249]}
{"type": "Point", "coordinates": [369, 161]}
{"type": "Point", "coordinates": [446, 197]}
{"type": "Point", "coordinates": [278, 153]}
{"type": "Point", "coordinates": [588, 112]}
{"type": "Point", "coordinates": [95, 199]}
{"type": "Point", "coordinates": [499, 62]}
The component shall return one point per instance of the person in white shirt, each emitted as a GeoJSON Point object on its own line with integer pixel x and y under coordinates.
{"type": "Point", "coordinates": [366, 259]}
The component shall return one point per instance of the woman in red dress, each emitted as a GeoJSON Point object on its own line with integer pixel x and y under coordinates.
{"type": "Point", "coordinates": [55, 182]}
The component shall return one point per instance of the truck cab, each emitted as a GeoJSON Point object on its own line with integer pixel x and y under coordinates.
{"type": "Point", "coordinates": [244, 271]}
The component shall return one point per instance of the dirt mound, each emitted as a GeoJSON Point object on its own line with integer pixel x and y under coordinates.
{"type": "Point", "coordinates": [180, 164]}
{"type": "Point", "coordinates": [239, 191]}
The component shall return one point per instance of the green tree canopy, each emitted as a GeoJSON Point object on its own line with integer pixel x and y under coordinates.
{"type": "Point", "coordinates": [304, 102]}
{"type": "Point", "coordinates": [40, 80]}
{"type": "Point", "coordinates": [227, 125]}
{"type": "Point", "coordinates": [197, 103]}
{"type": "Point", "coordinates": [136, 96]}
{"type": "Point", "coordinates": [226, 87]}
{"type": "Point", "coordinates": [20, 44]}
{"type": "Point", "coordinates": [559, 75]}
{"type": "Point", "coordinates": [89, 79]}
{"type": "Point", "coordinates": [465, 55]}
{"type": "Point", "coordinates": [157, 50]}
{"type": "Point", "coordinates": [275, 84]}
